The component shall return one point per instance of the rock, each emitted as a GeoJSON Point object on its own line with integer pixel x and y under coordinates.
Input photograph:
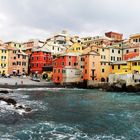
{"type": "Point", "coordinates": [28, 109]}
{"type": "Point", "coordinates": [4, 91]}
{"type": "Point", "coordinates": [117, 87]}
{"type": "Point", "coordinates": [20, 107]}
{"type": "Point", "coordinates": [8, 100]}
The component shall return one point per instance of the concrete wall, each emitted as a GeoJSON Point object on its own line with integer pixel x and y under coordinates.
{"type": "Point", "coordinates": [113, 78]}
{"type": "Point", "coordinates": [71, 75]}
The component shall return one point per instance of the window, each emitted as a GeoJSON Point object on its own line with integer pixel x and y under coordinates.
{"type": "Point", "coordinates": [82, 59]}
{"type": "Point", "coordinates": [118, 58]}
{"type": "Point", "coordinates": [103, 50]}
{"type": "Point", "coordinates": [112, 58]}
{"type": "Point", "coordinates": [69, 63]}
{"type": "Point", "coordinates": [18, 56]}
{"type": "Point", "coordinates": [113, 67]}
{"type": "Point", "coordinates": [23, 63]}
{"type": "Point", "coordinates": [103, 57]}
{"type": "Point", "coordinates": [24, 57]}
{"type": "Point", "coordinates": [18, 63]}
{"type": "Point", "coordinates": [118, 66]}
{"type": "Point", "coordinates": [112, 51]}
{"type": "Point", "coordinates": [119, 52]}
{"type": "Point", "coordinates": [58, 70]}
{"type": "Point", "coordinates": [36, 58]}
{"type": "Point", "coordinates": [54, 70]}
{"type": "Point", "coordinates": [63, 71]}
{"type": "Point", "coordinates": [135, 50]}
{"type": "Point", "coordinates": [32, 58]}
{"type": "Point", "coordinates": [37, 65]}
{"type": "Point", "coordinates": [85, 71]}
{"type": "Point", "coordinates": [75, 64]}
{"type": "Point", "coordinates": [62, 63]}
{"type": "Point", "coordinates": [134, 64]}
{"type": "Point", "coordinates": [139, 63]}
{"type": "Point", "coordinates": [103, 70]}
{"type": "Point", "coordinates": [127, 51]}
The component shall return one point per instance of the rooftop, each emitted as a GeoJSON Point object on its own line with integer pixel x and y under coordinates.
{"type": "Point", "coordinates": [119, 62]}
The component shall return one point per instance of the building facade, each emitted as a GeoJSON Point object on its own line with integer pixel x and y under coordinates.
{"type": "Point", "coordinates": [40, 58]}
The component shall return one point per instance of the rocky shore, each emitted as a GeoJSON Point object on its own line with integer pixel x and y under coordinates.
{"type": "Point", "coordinates": [8, 103]}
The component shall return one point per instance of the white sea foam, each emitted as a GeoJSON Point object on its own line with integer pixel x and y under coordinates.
{"type": "Point", "coordinates": [45, 89]}
{"type": "Point", "coordinates": [4, 107]}
{"type": "Point", "coordinates": [51, 130]}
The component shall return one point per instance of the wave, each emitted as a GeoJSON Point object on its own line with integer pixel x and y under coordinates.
{"type": "Point", "coordinates": [51, 130]}
{"type": "Point", "coordinates": [44, 89]}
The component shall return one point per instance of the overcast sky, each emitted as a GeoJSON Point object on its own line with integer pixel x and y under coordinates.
{"type": "Point", "coordinates": [25, 19]}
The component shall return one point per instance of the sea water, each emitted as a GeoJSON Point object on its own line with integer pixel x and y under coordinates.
{"type": "Point", "coordinates": [71, 114]}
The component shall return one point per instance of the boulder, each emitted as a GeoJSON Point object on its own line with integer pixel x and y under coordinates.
{"type": "Point", "coordinates": [8, 100]}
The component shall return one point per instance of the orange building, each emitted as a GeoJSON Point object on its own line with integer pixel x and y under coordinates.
{"type": "Point", "coordinates": [91, 65]}
{"type": "Point", "coordinates": [18, 61]}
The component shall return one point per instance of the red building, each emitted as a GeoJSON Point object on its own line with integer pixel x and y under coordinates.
{"type": "Point", "coordinates": [40, 58]}
{"type": "Point", "coordinates": [63, 67]}
{"type": "Point", "coordinates": [130, 55]}
{"type": "Point", "coordinates": [114, 35]}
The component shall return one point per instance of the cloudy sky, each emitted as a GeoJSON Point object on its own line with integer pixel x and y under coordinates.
{"type": "Point", "coordinates": [25, 19]}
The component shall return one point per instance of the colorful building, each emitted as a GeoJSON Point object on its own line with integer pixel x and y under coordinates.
{"type": "Point", "coordinates": [17, 61]}
{"type": "Point", "coordinates": [29, 45]}
{"type": "Point", "coordinates": [91, 65]}
{"type": "Point", "coordinates": [15, 45]}
{"type": "Point", "coordinates": [4, 59]}
{"type": "Point", "coordinates": [115, 36]}
{"type": "Point", "coordinates": [134, 38]}
{"type": "Point", "coordinates": [130, 51]}
{"type": "Point", "coordinates": [40, 58]}
{"type": "Point", "coordinates": [75, 47]}
{"type": "Point", "coordinates": [65, 69]}
{"type": "Point", "coordinates": [128, 71]}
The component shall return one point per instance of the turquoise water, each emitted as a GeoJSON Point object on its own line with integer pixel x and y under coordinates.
{"type": "Point", "coordinates": [73, 114]}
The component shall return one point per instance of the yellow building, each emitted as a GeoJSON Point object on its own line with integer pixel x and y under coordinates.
{"type": "Point", "coordinates": [75, 47]}
{"type": "Point", "coordinates": [126, 67]}
{"type": "Point", "coordinates": [3, 59]}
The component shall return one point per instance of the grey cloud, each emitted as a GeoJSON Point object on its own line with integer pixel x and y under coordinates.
{"type": "Point", "coordinates": [27, 17]}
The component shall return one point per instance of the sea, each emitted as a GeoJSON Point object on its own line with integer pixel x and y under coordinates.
{"type": "Point", "coordinates": [71, 114]}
